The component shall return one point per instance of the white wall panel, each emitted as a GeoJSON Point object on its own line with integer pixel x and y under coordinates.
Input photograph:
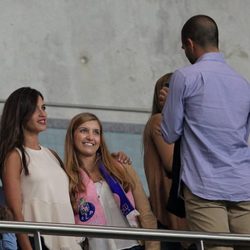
{"type": "Point", "coordinates": [107, 52]}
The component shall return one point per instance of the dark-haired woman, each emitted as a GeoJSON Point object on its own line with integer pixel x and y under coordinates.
{"type": "Point", "coordinates": [36, 187]}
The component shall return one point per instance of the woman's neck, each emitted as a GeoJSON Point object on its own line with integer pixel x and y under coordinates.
{"type": "Point", "coordinates": [31, 141]}
{"type": "Point", "coordinates": [91, 166]}
{"type": "Point", "coordinates": [88, 163]}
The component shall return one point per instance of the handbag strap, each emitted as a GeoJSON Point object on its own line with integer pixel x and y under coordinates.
{"type": "Point", "coordinates": [57, 157]}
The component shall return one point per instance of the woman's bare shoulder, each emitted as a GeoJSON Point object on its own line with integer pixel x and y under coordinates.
{"type": "Point", "coordinates": [13, 159]}
{"type": "Point", "coordinates": [155, 120]}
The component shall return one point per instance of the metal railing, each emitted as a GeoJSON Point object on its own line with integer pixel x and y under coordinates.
{"type": "Point", "coordinates": [199, 238]}
{"type": "Point", "coordinates": [94, 107]}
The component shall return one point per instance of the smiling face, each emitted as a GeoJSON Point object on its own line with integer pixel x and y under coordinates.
{"type": "Point", "coordinates": [87, 138]}
{"type": "Point", "coordinates": [38, 120]}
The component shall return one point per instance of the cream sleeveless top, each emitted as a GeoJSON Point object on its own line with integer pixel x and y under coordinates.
{"type": "Point", "coordinates": [45, 196]}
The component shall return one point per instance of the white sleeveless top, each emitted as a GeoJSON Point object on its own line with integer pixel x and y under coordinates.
{"type": "Point", "coordinates": [45, 196]}
{"type": "Point", "coordinates": [114, 217]}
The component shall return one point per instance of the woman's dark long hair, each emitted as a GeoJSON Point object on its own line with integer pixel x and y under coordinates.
{"type": "Point", "coordinates": [17, 111]}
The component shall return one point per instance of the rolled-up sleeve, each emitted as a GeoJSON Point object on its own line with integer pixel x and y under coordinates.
{"type": "Point", "coordinates": [173, 111]}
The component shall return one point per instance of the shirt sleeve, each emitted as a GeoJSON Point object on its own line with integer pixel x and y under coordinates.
{"type": "Point", "coordinates": [173, 110]}
{"type": "Point", "coordinates": [9, 241]}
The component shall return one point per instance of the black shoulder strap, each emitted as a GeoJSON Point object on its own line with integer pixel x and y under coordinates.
{"type": "Point", "coordinates": [57, 157]}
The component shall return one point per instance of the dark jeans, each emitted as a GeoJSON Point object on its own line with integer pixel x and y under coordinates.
{"type": "Point", "coordinates": [168, 245]}
{"type": "Point", "coordinates": [136, 248]}
{"type": "Point", "coordinates": [32, 242]}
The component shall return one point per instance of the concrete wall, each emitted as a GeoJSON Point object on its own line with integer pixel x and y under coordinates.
{"type": "Point", "coordinates": [107, 52]}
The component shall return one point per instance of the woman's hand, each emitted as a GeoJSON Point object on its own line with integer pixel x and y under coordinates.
{"type": "Point", "coordinates": [163, 96]}
{"type": "Point", "coordinates": [122, 157]}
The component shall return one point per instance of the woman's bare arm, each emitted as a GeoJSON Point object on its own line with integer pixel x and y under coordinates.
{"type": "Point", "coordinates": [12, 191]}
{"type": "Point", "coordinates": [164, 149]}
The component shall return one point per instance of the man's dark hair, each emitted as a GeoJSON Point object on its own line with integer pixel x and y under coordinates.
{"type": "Point", "coordinates": [201, 29]}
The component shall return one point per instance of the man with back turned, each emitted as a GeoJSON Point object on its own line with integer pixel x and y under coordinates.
{"type": "Point", "coordinates": [208, 106]}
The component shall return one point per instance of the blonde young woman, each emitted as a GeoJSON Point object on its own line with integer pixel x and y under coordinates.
{"type": "Point", "coordinates": [158, 156]}
{"type": "Point", "coordinates": [103, 191]}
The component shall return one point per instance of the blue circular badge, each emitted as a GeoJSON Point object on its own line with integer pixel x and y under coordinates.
{"type": "Point", "coordinates": [86, 210]}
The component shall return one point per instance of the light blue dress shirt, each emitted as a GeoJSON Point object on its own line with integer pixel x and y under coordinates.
{"type": "Point", "coordinates": [8, 241]}
{"type": "Point", "coordinates": [209, 106]}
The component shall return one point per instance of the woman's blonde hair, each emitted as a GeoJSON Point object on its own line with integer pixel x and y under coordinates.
{"type": "Point", "coordinates": [161, 82]}
{"type": "Point", "coordinates": [72, 162]}
{"type": "Point", "coordinates": [156, 107]}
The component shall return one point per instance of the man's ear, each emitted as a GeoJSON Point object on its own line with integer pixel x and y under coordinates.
{"type": "Point", "coordinates": [190, 43]}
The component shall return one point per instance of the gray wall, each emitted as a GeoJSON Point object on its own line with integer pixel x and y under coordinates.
{"type": "Point", "coordinates": [107, 52]}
